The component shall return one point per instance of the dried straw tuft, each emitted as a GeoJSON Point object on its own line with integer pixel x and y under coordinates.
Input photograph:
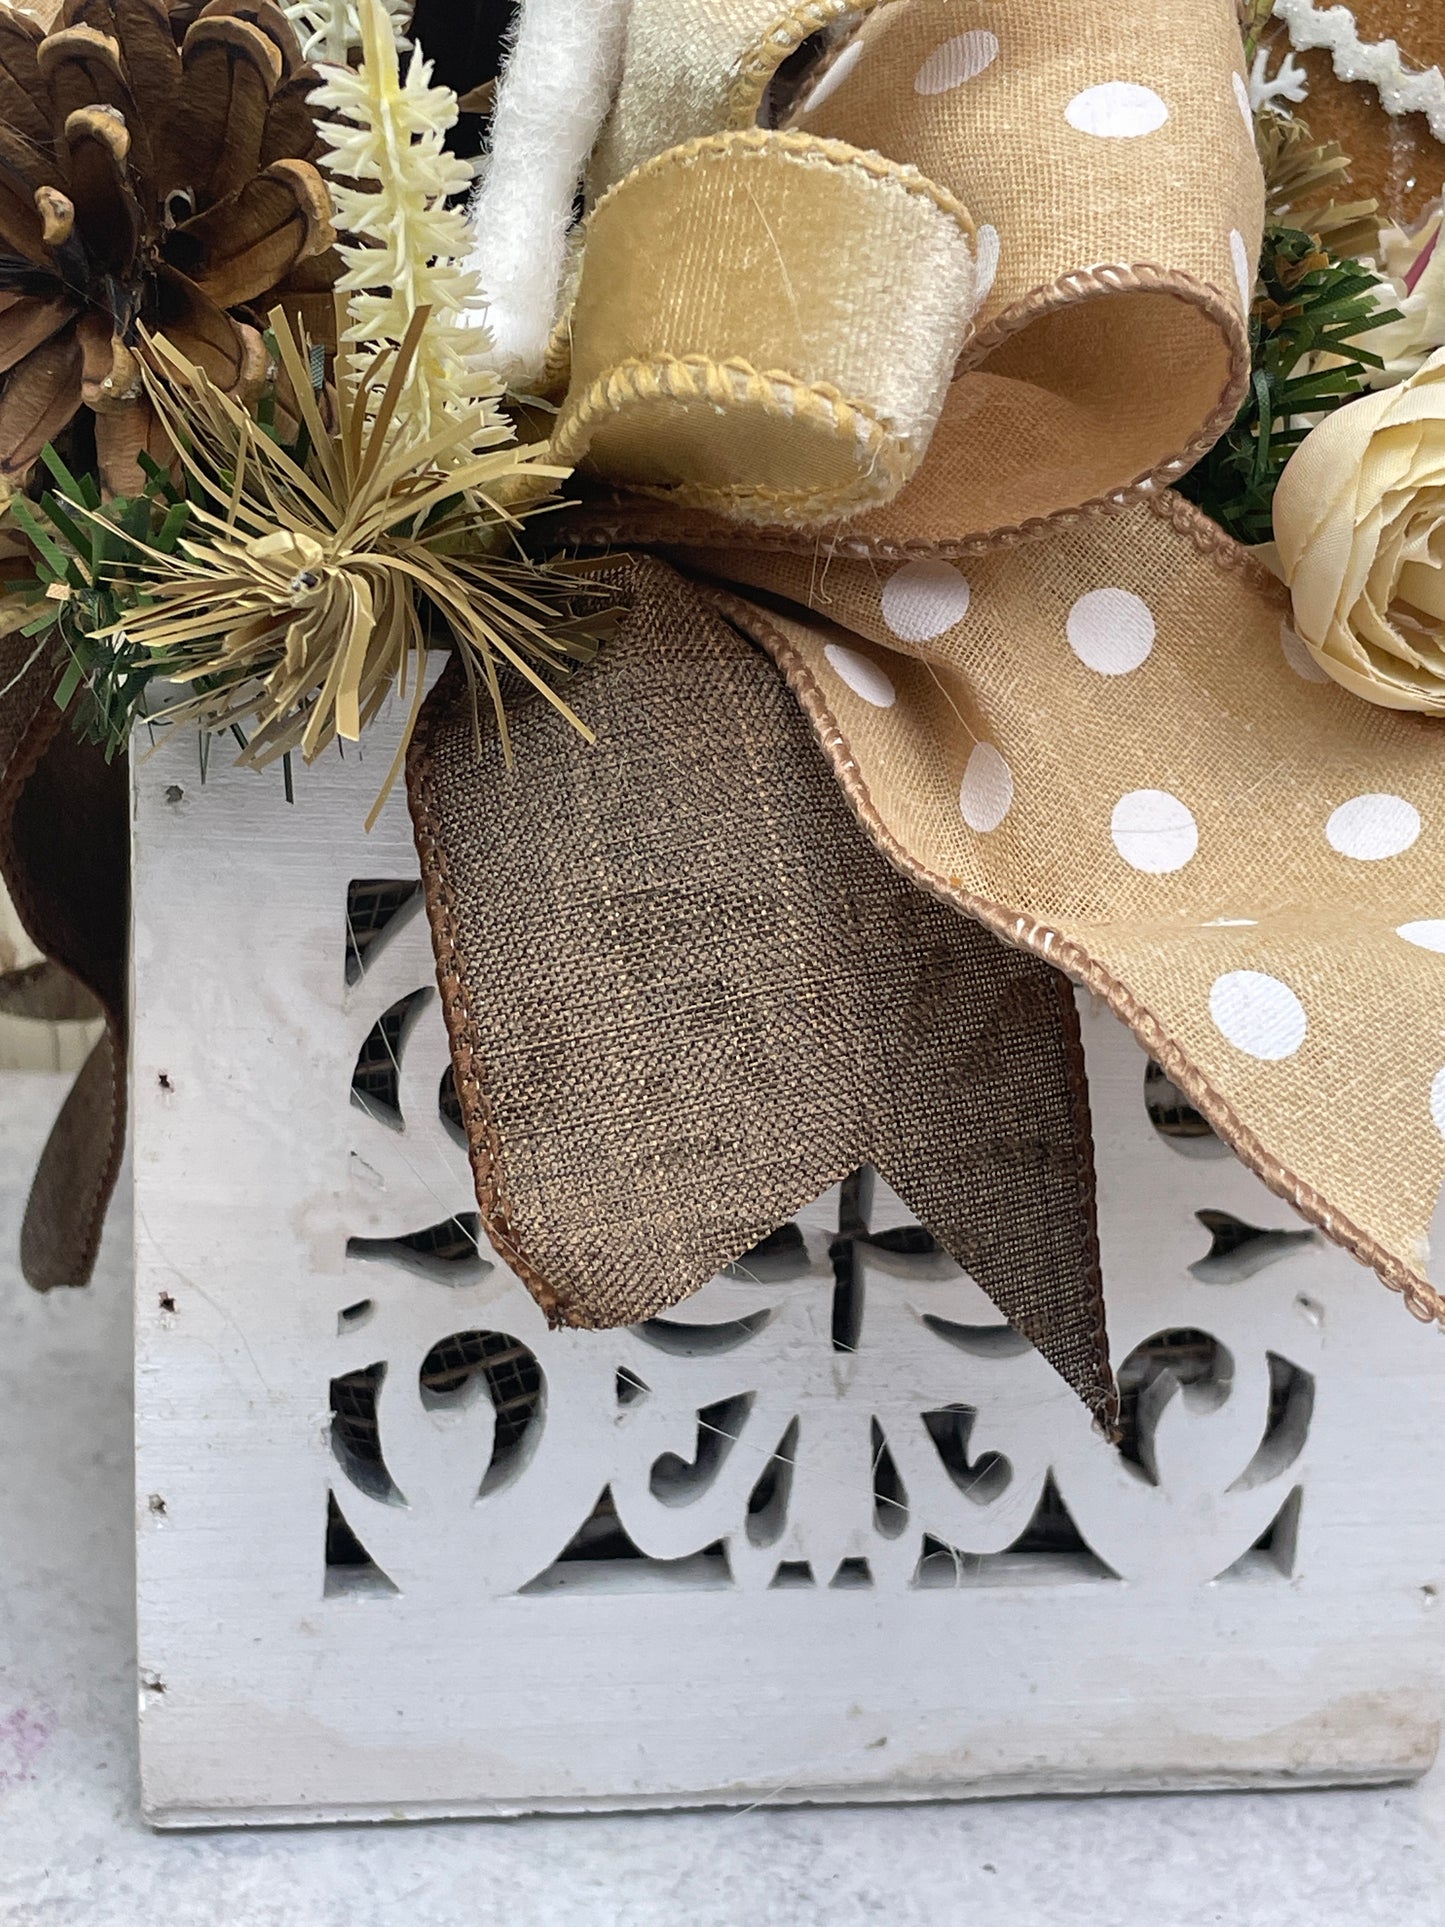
{"type": "Point", "coordinates": [310, 579]}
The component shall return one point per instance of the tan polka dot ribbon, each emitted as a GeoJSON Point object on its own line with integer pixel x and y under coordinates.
{"type": "Point", "coordinates": [919, 365]}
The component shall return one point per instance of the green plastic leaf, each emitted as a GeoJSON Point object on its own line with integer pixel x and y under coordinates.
{"type": "Point", "coordinates": [69, 683]}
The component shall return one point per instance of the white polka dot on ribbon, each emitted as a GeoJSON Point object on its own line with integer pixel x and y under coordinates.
{"type": "Point", "coordinates": [1244, 271]}
{"type": "Point", "coordinates": [1117, 110]}
{"type": "Point", "coordinates": [861, 675]}
{"type": "Point", "coordinates": [925, 599]}
{"type": "Point", "coordinates": [1298, 656]}
{"type": "Point", "coordinates": [986, 793]}
{"type": "Point", "coordinates": [834, 76]}
{"type": "Point", "coordinates": [1370, 828]}
{"type": "Point", "coordinates": [957, 61]}
{"type": "Point", "coordinates": [1241, 94]}
{"type": "Point", "coordinates": [1258, 1014]}
{"type": "Point", "coordinates": [987, 264]}
{"type": "Point", "coordinates": [1111, 631]}
{"type": "Point", "coordinates": [1437, 1101]}
{"type": "Point", "coordinates": [1426, 935]}
{"type": "Point", "coordinates": [1154, 832]}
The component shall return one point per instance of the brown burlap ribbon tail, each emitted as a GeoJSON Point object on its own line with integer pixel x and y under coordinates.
{"type": "Point", "coordinates": [65, 862]}
{"type": "Point", "coordinates": [685, 995]}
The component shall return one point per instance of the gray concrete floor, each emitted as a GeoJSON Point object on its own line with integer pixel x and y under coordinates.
{"type": "Point", "coordinates": [73, 1848]}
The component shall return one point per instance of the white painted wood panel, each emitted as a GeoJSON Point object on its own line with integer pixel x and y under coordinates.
{"type": "Point", "coordinates": [828, 1532]}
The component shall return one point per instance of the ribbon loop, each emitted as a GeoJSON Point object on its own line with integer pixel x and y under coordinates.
{"type": "Point", "coordinates": [693, 67]}
{"type": "Point", "coordinates": [764, 320]}
{"type": "Point", "coordinates": [720, 360]}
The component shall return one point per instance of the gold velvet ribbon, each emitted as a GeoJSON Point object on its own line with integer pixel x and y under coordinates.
{"type": "Point", "coordinates": [920, 365]}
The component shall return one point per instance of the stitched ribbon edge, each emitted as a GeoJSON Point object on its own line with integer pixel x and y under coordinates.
{"type": "Point", "coordinates": [760, 61]}
{"type": "Point", "coordinates": [1069, 956]}
{"type": "Point", "coordinates": [609, 521]}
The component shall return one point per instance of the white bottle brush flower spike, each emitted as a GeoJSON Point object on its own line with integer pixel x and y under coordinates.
{"type": "Point", "coordinates": [329, 29]}
{"type": "Point", "coordinates": [408, 248]}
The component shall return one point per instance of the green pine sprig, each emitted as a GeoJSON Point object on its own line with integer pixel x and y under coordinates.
{"type": "Point", "coordinates": [1310, 306]}
{"type": "Point", "coordinates": [1255, 19]}
{"type": "Point", "coordinates": [84, 551]}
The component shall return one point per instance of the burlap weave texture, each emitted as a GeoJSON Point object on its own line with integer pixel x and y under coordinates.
{"type": "Point", "coordinates": [686, 994]}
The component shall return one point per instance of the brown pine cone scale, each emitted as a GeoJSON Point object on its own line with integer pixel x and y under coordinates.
{"type": "Point", "coordinates": [157, 174]}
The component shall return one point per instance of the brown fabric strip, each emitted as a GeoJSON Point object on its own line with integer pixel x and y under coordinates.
{"type": "Point", "coordinates": [65, 863]}
{"type": "Point", "coordinates": [48, 994]}
{"type": "Point", "coordinates": [686, 994]}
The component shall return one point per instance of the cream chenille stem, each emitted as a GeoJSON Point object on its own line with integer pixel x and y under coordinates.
{"type": "Point", "coordinates": [555, 92]}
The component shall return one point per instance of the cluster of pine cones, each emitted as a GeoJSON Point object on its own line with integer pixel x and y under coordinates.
{"type": "Point", "coordinates": [157, 172]}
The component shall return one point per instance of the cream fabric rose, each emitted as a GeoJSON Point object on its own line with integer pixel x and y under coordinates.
{"type": "Point", "coordinates": [1359, 521]}
{"type": "Point", "coordinates": [1414, 261]}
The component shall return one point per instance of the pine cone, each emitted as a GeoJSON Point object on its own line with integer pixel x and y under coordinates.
{"type": "Point", "coordinates": [155, 174]}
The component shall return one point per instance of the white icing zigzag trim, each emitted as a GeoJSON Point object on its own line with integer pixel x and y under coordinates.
{"type": "Point", "coordinates": [1401, 90]}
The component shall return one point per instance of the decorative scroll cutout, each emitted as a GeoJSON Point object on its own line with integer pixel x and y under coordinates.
{"type": "Point", "coordinates": [375, 906]}
{"type": "Point", "coordinates": [843, 1409]}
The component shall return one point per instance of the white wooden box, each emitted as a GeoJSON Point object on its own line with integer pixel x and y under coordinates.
{"type": "Point", "coordinates": [829, 1532]}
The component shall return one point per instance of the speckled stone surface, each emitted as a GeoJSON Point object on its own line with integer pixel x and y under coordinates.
{"type": "Point", "coordinates": [74, 1852]}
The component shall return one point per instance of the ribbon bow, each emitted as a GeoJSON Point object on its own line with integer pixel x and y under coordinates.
{"type": "Point", "coordinates": [920, 365]}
